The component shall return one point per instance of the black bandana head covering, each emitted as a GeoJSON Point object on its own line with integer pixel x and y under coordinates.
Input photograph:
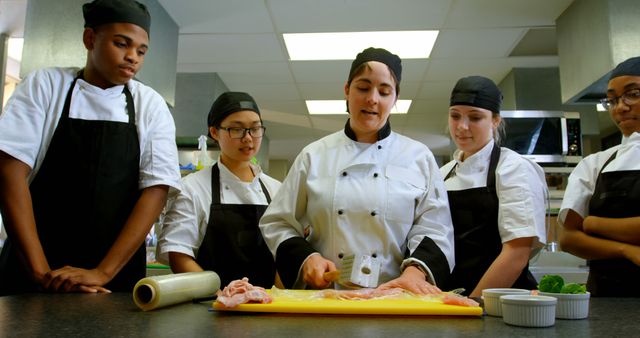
{"type": "Point", "coordinates": [381, 55]}
{"type": "Point", "coordinates": [228, 103]}
{"type": "Point", "coordinates": [477, 91]}
{"type": "Point", "coordinates": [100, 12]}
{"type": "Point", "coordinates": [630, 67]}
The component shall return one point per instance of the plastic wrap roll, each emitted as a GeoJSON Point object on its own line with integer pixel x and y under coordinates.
{"type": "Point", "coordinates": [158, 291]}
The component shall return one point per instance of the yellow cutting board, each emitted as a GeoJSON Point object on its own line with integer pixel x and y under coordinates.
{"type": "Point", "coordinates": [302, 301]}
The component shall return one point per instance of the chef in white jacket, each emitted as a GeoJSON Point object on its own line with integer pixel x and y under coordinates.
{"type": "Point", "coordinates": [496, 196]}
{"type": "Point", "coordinates": [364, 190]}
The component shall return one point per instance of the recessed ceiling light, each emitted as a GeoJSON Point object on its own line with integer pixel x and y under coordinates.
{"type": "Point", "coordinates": [337, 107]}
{"type": "Point", "coordinates": [346, 45]}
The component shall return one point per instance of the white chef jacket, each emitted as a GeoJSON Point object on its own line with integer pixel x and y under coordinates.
{"type": "Point", "coordinates": [358, 198]}
{"type": "Point", "coordinates": [32, 113]}
{"type": "Point", "coordinates": [520, 185]}
{"type": "Point", "coordinates": [187, 216]}
{"type": "Point", "coordinates": [582, 181]}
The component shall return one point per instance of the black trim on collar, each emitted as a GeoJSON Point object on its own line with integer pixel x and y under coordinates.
{"type": "Point", "coordinates": [383, 133]}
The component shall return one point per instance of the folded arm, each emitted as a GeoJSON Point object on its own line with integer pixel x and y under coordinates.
{"type": "Point", "coordinates": [575, 240]}
{"type": "Point", "coordinates": [625, 230]}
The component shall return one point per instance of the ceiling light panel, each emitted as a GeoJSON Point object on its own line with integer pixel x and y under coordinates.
{"type": "Point", "coordinates": [346, 45]}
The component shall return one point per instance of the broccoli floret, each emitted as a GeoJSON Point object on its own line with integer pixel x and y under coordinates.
{"type": "Point", "coordinates": [573, 288]}
{"type": "Point", "coordinates": [551, 283]}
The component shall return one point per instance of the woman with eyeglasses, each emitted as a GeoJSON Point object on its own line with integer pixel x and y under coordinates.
{"type": "Point", "coordinates": [365, 191]}
{"type": "Point", "coordinates": [600, 211]}
{"type": "Point", "coordinates": [212, 224]}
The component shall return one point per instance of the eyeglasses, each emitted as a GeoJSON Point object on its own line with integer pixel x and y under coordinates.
{"type": "Point", "coordinates": [235, 132]}
{"type": "Point", "coordinates": [630, 97]}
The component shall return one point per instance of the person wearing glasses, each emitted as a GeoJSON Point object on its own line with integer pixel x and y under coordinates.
{"type": "Point", "coordinates": [496, 196]}
{"type": "Point", "coordinates": [212, 224]}
{"type": "Point", "coordinates": [364, 190]}
{"type": "Point", "coordinates": [600, 211]}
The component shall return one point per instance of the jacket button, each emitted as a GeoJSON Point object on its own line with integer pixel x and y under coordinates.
{"type": "Point", "coordinates": [344, 173]}
{"type": "Point", "coordinates": [374, 255]}
{"type": "Point", "coordinates": [375, 175]}
{"type": "Point", "coordinates": [340, 255]}
{"type": "Point", "coordinates": [340, 212]}
{"type": "Point", "coordinates": [379, 147]}
{"type": "Point", "coordinates": [373, 213]}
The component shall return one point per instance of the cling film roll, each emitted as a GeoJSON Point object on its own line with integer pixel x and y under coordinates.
{"type": "Point", "coordinates": [158, 291]}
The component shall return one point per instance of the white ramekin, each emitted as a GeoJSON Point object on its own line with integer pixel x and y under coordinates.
{"type": "Point", "coordinates": [571, 306]}
{"type": "Point", "coordinates": [528, 310]}
{"type": "Point", "coordinates": [491, 299]}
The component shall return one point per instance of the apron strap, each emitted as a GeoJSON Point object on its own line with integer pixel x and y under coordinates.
{"type": "Point", "coordinates": [452, 172]}
{"type": "Point", "coordinates": [67, 100]}
{"type": "Point", "coordinates": [493, 164]}
{"type": "Point", "coordinates": [611, 158]}
{"type": "Point", "coordinates": [266, 193]}
{"type": "Point", "coordinates": [131, 111]}
{"type": "Point", "coordinates": [215, 184]}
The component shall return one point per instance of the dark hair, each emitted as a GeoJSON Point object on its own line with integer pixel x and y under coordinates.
{"type": "Point", "coordinates": [360, 69]}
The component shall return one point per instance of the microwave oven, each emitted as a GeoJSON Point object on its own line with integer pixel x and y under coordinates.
{"type": "Point", "coordinates": [544, 136]}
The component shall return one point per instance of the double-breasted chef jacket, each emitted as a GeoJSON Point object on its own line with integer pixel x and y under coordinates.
{"type": "Point", "coordinates": [385, 199]}
{"type": "Point", "coordinates": [607, 184]}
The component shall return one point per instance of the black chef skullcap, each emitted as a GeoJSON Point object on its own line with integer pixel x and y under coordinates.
{"type": "Point", "coordinates": [477, 91]}
{"type": "Point", "coordinates": [380, 55]}
{"type": "Point", "coordinates": [629, 67]}
{"type": "Point", "coordinates": [228, 103]}
{"type": "Point", "coordinates": [100, 12]}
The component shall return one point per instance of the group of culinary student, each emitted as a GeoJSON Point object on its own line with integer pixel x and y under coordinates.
{"type": "Point", "coordinates": [88, 161]}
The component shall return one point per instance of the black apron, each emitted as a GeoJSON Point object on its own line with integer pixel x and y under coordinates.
{"type": "Point", "coordinates": [82, 196]}
{"type": "Point", "coordinates": [474, 213]}
{"type": "Point", "coordinates": [616, 195]}
{"type": "Point", "coordinates": [233, 246]}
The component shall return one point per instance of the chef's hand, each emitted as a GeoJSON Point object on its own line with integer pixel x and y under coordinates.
{"type": "Point", "coordinates": [72, 279]}
{"type": "Point", "coordinates": [412, 280]}
{"type": "Point", "coordinates": [313, 269]}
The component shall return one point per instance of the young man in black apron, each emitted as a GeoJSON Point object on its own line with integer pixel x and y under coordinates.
{"type": "Point", "coordinates": [600, 207]}
{"type": "Point", "coordinates": [81, 184]}
{"type": "Point", "coordinates": [213, 222]}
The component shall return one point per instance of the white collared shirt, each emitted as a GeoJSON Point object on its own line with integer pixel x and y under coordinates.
{"type": "Point", "coordinates": [582, 181]}
{"type": "Point", "coordinates": [520, 186]}
{"type": "Point", "coordinates": [187, 213]}
{"type": "Point", "coordinates": [32, 113]}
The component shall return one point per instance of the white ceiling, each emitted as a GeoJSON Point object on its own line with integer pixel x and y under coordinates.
{"type": "Point", "coordinates": [241, 40]}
